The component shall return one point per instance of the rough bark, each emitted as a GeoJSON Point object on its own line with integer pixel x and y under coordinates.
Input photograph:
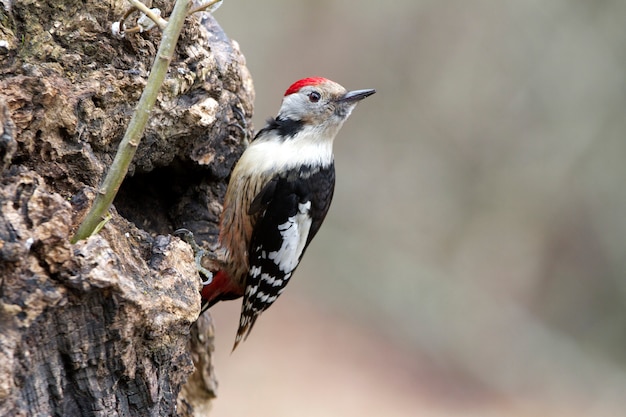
{"type": "Point", "coordinates": [108, 326]}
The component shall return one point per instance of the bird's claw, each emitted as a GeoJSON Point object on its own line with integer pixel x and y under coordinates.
{"type": "Point", "coordinates": [187, 236]}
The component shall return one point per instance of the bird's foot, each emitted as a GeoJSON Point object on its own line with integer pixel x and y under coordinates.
{"type": "Point", "coordinates": [187, 236]}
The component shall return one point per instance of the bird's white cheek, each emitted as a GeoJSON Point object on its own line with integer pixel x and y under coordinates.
{"type": "Point", "coordinates": [293, 107]}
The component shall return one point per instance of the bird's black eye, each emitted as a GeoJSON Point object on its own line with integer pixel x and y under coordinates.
{"type": "Point", "coordinates": [314, 96]}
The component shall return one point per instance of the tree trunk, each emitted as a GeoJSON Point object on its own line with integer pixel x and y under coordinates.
{"type": "Point", "coordinates": [108, 326]}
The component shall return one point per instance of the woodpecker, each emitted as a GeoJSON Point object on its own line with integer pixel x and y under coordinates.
{"type": "Point", "coordinates": [277, 197]}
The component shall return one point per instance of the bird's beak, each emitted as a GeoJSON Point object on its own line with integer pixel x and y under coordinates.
{"type": "Point", "coordinates": [356, 95]}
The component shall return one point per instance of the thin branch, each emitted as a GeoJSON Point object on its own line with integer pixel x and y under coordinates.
{"type": "Point", "coordinates": [160, 22]}
{"type": "Point", "coordinates": [134, 132]}
{"type": "Point", "coordinates": [212, 5]}
{"type": "Point", "coordinates": [152, 17]}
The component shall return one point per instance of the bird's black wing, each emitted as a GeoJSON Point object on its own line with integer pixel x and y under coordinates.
{"type": "Point", "coordinates": [291, 209]}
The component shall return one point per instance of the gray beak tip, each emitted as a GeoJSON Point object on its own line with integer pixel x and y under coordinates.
{"type": "Point", "coordinates": [358, 95]}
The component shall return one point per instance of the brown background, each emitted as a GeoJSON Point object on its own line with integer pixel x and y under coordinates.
{"type": "Point", "coordinates": [473, 261]}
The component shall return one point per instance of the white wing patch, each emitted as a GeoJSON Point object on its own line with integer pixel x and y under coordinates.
{"type": "Point", "coordinates": [294, 233]}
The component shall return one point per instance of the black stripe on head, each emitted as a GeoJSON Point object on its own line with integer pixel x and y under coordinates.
{"type": "Point", "coordinates": [286, 128]}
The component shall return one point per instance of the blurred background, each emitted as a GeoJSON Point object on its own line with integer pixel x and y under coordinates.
{"type": "Point", "coordinates": [474, 260]}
